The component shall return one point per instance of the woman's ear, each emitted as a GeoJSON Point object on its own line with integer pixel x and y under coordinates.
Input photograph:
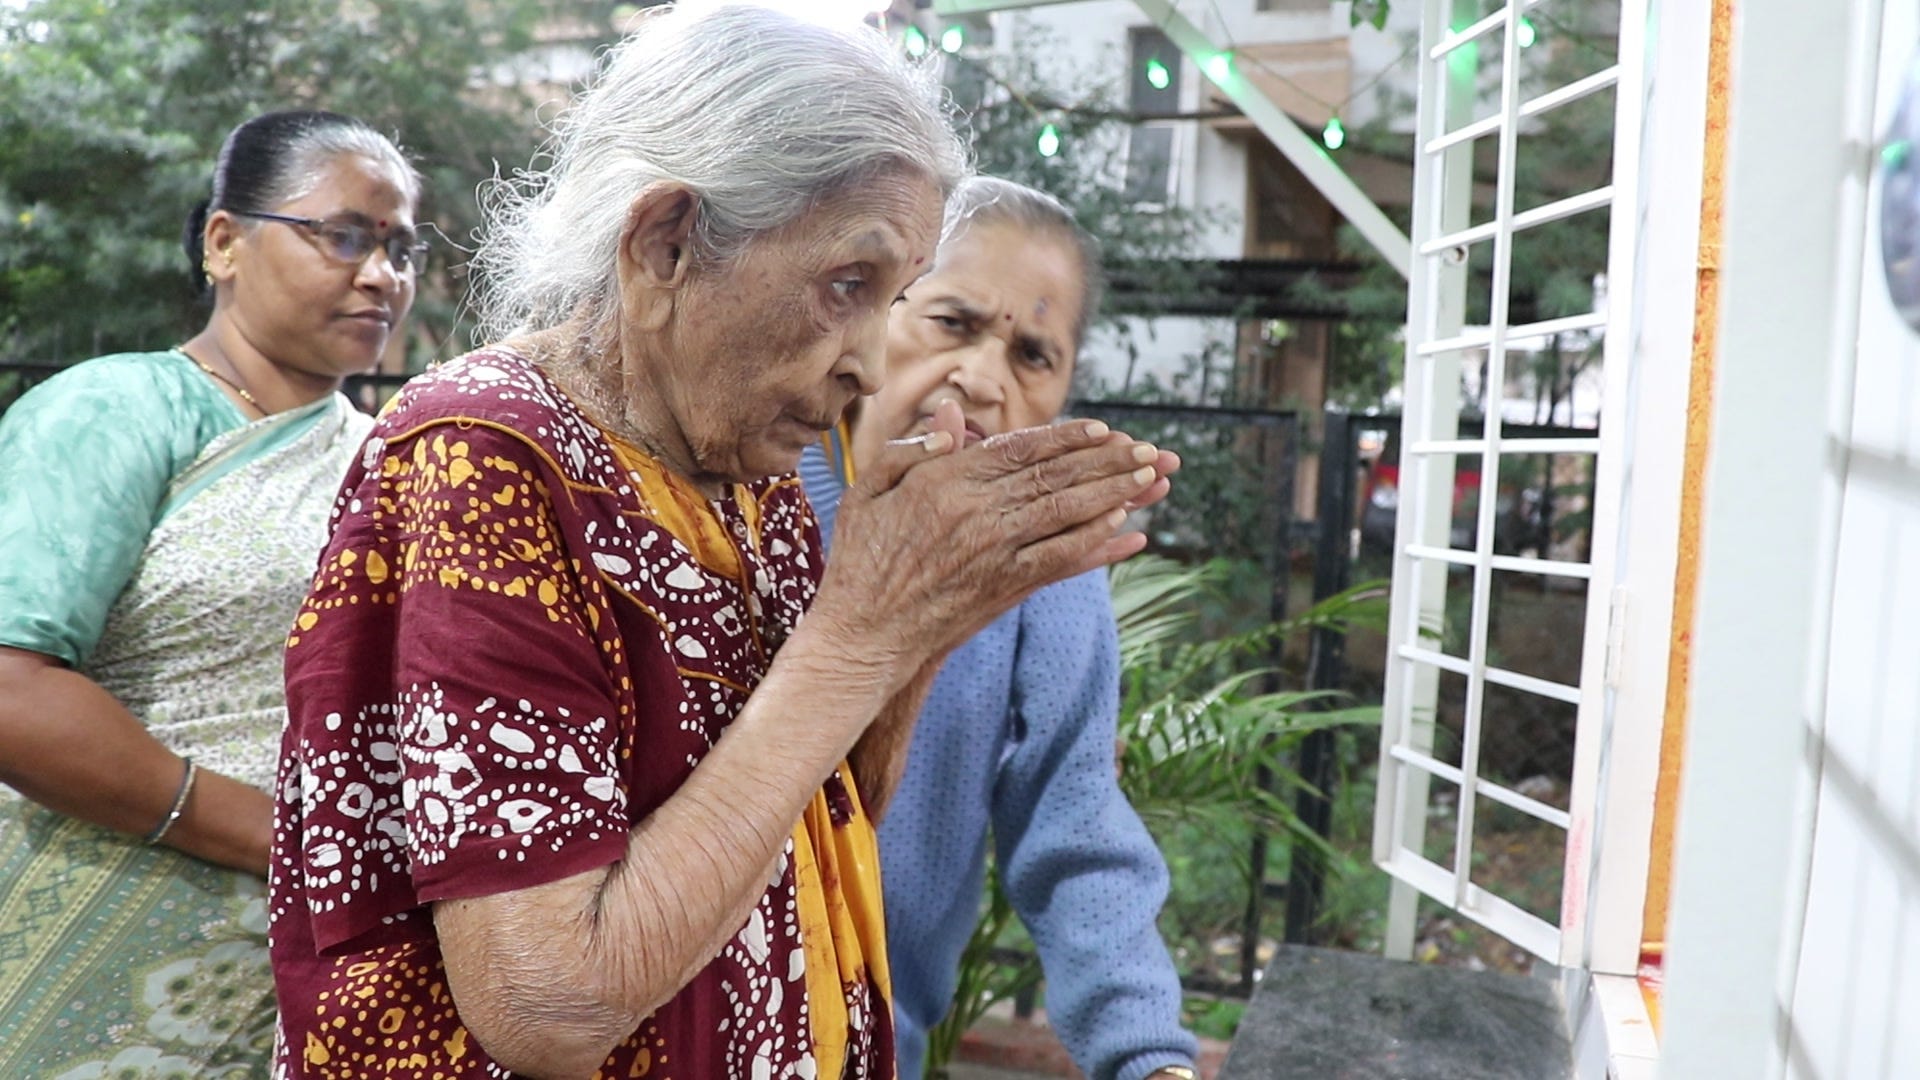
{"type": "Point", "coordinates": [217, 240]}
{"type": "Point", "coordinates": [656, 252]}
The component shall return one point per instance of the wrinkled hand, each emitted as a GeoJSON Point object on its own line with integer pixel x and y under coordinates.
{"type": "Point", "coordinates": [935, 541]}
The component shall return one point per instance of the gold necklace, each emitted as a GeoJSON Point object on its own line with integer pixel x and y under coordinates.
{"type": "Point", "coordinates": [237, 388]}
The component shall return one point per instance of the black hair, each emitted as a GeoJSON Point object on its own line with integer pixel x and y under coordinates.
{"type": "Point", "coordinates": [264, 162]}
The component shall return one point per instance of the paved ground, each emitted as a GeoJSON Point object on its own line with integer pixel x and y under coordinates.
{"type": "Point", "coordinates": [964, 1071]}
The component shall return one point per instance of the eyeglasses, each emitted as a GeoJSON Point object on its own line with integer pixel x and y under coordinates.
{"type": "Point", "coordinates": [350, 242]}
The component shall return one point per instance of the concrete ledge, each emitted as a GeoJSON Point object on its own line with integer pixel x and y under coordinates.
{"type": "Point", "coordinates": [1355, 1016]}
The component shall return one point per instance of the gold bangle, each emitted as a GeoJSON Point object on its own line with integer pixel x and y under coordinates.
{"type": "Point", "coordinates": [179, 803]}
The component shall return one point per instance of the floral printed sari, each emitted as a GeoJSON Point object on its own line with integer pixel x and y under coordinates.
{"type": "Point", "coordinates": [118, 959]}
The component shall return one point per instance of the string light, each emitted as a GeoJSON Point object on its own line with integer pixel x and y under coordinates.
{"type": "Point", "coordinates": [1334, 135]}
{"type": "Point", "coordinates": [1158, 76]}
{"type": "Point", "coordinates": [1219, 67]}
{"type": "Point", "coordinates": [915, 40]}
{"type": "Point", "coordinates": [1049, 142]}
{"type": "Point", "coordinates": [1525, 33]}
{"type": "Point", "coordinates": [952, 39]}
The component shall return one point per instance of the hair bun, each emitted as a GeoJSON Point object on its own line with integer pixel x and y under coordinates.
{"type": "Point", "coordinates": [193, 239]}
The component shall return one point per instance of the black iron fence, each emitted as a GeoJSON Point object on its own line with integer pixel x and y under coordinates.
{"type": "Point", "coordinates": [366, 391]}
{"type": "Point", "coordinates": [17, 379]}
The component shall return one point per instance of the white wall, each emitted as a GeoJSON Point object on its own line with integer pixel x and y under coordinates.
{"type": "Point", "coordinates": [1788, 261]}
{"type": "Point", "coordinates": [1857, 988]}
{"type": "Point", "coordinates": [1794, 939]}
{"type": "Point", "coordinates": [1384, 53]}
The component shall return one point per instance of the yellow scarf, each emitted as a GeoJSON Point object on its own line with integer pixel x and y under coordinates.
{"type": "Point", "coordinates": [836, 867]}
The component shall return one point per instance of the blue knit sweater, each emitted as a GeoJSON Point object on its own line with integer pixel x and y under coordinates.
{"type": "Point", "coordinates": [1018, 733]}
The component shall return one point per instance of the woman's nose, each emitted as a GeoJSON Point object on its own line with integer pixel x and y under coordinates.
{"type": "Point", "coordinates": [863, 355]}
{"type": "Point", "coordinates": [976, 373]}
{"type": "Point", "coordinates": [378, 273]}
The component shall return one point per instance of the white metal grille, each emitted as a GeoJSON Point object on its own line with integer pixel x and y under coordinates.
{"type": "Point", "coordinates": [1450, 696]}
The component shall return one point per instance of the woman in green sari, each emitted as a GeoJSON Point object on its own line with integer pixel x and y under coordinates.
{"type": "Point", "coordinates": [160, 518]}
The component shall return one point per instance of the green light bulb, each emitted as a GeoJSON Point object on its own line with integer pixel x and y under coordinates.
{"type": "Point", "coordinates": [1049, 141]}
{"type": "Point", "coordinates": [1158, 76]}
{"type": "Point", "coordinates": [1219, 66]}
{"type": "Point", "coordinates": [1334, 135]}
{"type": "Point", "coordinates": [915, 40]}
{"type": "Point", "coordinates": [952, 38]}
{"type": "Point", "coordinates": [1526, 34]}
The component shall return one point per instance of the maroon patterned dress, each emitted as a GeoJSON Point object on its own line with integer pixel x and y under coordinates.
{"type": "Point", "coordinates": [523, 637]}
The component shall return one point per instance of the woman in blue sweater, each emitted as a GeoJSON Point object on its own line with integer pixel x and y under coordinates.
{"type": "Point", "coordinates": [1018, 731]}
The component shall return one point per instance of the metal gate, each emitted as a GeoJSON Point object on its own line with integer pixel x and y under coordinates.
{"type": "Point", "coordinates": [1436, 797]}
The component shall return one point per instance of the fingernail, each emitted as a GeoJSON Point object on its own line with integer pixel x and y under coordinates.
{"type": "Point", "coordinates": [1145, 452]}
{"type": "Point", "coordinates": [1115, 517]}
{"type": "Point", "coordinates": [939, 442]}
{"type": "Point", "coordinates": [1095, 429]}
{"type": "Point", "coordinates": [1143, 475]}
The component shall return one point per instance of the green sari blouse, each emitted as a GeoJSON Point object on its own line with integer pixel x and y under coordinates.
{"type": "Point", "coordinates": [86, 461]}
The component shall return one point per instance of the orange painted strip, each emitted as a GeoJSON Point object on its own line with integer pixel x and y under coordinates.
{"type": "Point", "coordinates": [1706, 323]}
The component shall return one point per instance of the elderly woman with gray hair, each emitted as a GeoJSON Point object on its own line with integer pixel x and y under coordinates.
{"type": "Point", "coordinates": [570, 786]}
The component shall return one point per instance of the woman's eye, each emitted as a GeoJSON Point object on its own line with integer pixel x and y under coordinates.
{"type": "Point", "coordinates": [1038, 359]}
{"type": "Point", "coordinates": [948, 323]}
{"type": "Point", "coordinates": [347, 242]}
{"type": "Point", "coordinates": [848, 288]}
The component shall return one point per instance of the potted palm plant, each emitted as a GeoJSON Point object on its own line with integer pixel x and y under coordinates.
{"type": "Point", "coordinates": [1206, 747]}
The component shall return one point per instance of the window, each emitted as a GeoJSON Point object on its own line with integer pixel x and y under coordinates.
{"type": "Point", "coordinates": [1151, 174]}
{"type": "Point", "coordinates": [1154, 86]}
{"type": "Point", "coordinates": [1153, 90]}
{"type": "Point", "coordinates": [1482, 741]}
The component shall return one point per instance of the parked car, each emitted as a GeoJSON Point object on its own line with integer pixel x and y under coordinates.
{"type": "Point", "coordinates": [1517, 522]}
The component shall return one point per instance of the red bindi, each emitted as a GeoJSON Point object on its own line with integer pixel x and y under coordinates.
{"type": "Point", "coordinates": [380, 225]}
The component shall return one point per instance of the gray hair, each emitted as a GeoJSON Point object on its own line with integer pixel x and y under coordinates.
{"type": "Point", "coordinates": [989, 200]}
{"type": "Point", "coordinates": [761, 114]}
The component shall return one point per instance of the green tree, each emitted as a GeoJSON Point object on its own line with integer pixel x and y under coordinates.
{"type": "Point", "coordinates": [111, 113]}
{"type": "Point", "coordinates": [1563, 152]}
